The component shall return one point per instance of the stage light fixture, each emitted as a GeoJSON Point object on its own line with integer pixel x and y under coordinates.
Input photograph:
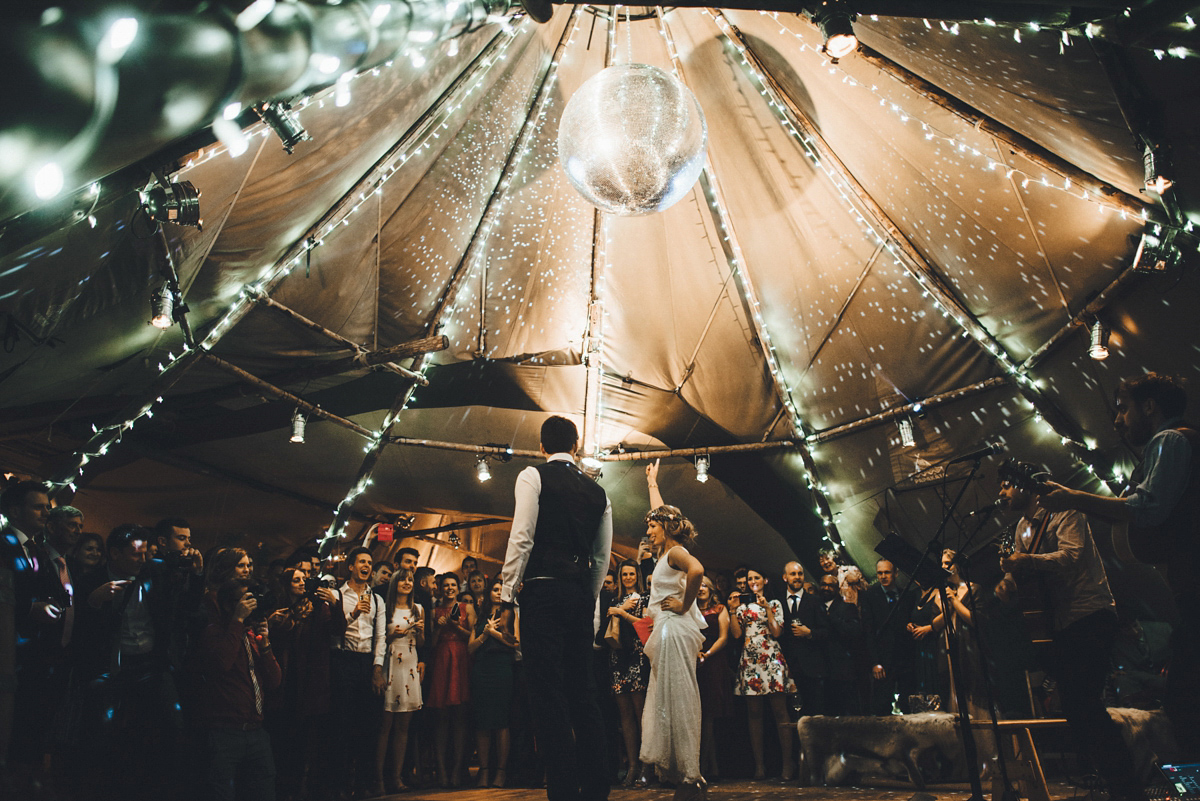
{"type": "Point", "coordinates": [1155, 251]}
{"type": "Point", "coordinates": [703, 461]}
{"type": "Point", "coordinates": [482, 471]}
{"type": "Point", "coordinates": [298, 424]}
{"type": "Point", "coordinates": [837, 26]}
{"type": "Point", "coordinates": [162, 309]}
{"type": "Point", "coordinates": [907, 436]}
{"type": "Point", "coordinates": [280, 118]}
{"type": "Point", "coordinates": [1098, 349]}
{"type": "Point", "coordinates": [172, 202]}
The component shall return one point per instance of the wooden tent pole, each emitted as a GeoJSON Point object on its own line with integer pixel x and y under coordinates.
{"type": "Point", "coordinates": [898, 411]}
{"type": "Point", "coordinates": [1093, 308]}
{"type": "Point", "coordinates": [1101, 191]}
{"type": "Point", "coordinates": [264, 300]}
{"type": "Point", "coordinates": [284, 395]}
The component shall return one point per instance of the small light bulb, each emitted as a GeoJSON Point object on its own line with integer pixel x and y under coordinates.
{"type": "Point", "coordinates": [48, 181]}
{"type": "Point", "coordinates": [298, 423]}
{"type": "Point", "coordinates": [117, 40]}
{"type": "Point", "coordinates": [1098, 349]}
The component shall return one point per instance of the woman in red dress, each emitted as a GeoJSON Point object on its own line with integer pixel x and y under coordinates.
{"type": "Point", "coordinates": [449, 688]}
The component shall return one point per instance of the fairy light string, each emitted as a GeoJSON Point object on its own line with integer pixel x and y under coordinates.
{"type": "Point", "coordinates": [443, 314]}
{"type": "Point", "coordinates": [1045, 410]}
{"type": "Point", "coordinates": [735, 260]}
{"type": "Point", "coordinates": [431, 127]}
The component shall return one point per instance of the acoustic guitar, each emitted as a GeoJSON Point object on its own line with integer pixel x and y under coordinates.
{"type": "Point", "coordinates": [1031, 589]}
{"type": "Point", "coordinates": [1155, 545]}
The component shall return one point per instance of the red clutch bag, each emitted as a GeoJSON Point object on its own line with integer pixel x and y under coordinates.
{"type": "Point", "coordinates": [642, 626]}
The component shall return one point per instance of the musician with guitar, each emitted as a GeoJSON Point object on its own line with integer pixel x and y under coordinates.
{"type": "Point", "coordinates": [1157, 521]}
{"type": "Point", "coordinates": [1055, 554]}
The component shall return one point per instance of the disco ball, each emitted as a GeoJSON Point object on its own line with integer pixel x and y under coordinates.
{"type": "Point", "coordinates": [632, 140]}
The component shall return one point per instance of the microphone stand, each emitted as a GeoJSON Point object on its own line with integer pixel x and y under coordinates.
{"type": "Point", "coordinates": [1010, 793]}
{"type": "Point", "coordinates": [924, 567]}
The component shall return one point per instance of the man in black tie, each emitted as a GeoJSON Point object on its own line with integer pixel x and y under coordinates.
{"type": "Point", "coordinates": [557, 558]}
{"type": "Point", "coordinates": [886, 611]}
{"type": "Point", "coordinates": [805, 632]}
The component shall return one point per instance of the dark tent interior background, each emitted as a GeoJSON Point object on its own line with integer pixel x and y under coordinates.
{"type": "Point", "coordinates": [918, 236]}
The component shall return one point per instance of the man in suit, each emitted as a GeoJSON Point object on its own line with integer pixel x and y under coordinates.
{"type": "Point", "coordinates": [845, 636]}
{"type": "Point", "coordinates": [886, 612]}
{"type": "Point", "coordinates": [44, 613]}
{"type": "Point", "coordinates": [803, 640]}
{"type": "Point", "coordinates": [555, 564]}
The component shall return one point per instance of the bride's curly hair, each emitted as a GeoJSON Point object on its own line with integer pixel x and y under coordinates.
{"type": "Point", "coordinates": [678, 527]}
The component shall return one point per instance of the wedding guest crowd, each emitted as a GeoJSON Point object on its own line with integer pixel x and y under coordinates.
{"type": "Point", "coordinates": [141, 668]}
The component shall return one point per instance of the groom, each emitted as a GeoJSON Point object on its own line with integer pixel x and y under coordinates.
{"type": "Point", "coordinates": [557, 558]}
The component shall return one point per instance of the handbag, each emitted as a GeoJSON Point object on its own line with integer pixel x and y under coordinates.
{"type": "Point", "coordinates": [612, 633]}
{"type": "Point", "coordinates": [642, 626]}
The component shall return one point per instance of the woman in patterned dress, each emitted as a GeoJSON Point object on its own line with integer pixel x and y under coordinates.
{"type": "Point", "coordinates": [449, 689]}
{"type": "Point", "coordinates": [762, 672]}
{"type": "Point", "coordinates": [630, 668]}
{"type": "Point", "coordinates": [402, 695]}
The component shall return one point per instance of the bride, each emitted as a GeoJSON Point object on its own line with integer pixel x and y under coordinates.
{"type": "Point", "coordinates": [671, 720]}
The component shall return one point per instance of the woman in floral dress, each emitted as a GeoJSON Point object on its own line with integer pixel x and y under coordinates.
{"type": "Point", "coordinates": [629, 666]}
{"type": "Point", "coordinates": [402, 695]}
{"type": "Point", "coordinates": [762, 673]}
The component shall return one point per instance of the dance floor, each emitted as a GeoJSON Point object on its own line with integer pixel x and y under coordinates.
{"type": "Point", "coordinates": [742, 791]}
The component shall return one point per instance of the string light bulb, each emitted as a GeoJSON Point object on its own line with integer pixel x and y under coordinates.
{"type": "Point", "coordinates": [702, 463]}
{"type": "Point", "coordinates": [1098, 349]}
{"type": "Point", "coordinates": [162, 309]}
{"type": "Point", "coordinates": [298, 424]}
{"type": "Point", "coordinates": [482, 471]}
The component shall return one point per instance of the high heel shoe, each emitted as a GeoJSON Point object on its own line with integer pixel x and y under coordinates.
{"type": "Point", "coordinates": [691, 791]}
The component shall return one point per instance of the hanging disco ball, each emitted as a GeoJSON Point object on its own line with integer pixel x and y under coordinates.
{"type": "Point", "coordinates": [632, 140]}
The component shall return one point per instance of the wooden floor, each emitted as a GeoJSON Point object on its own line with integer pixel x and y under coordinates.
{"type": "Point", "coordinates": [738, 791]}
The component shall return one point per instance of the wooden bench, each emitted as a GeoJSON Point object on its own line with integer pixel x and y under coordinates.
{"type": "Point", "coordinates": [1021, 756]}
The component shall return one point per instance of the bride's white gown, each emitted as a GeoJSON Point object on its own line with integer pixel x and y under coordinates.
{"type": "Point", "coordinates": [671, 720]}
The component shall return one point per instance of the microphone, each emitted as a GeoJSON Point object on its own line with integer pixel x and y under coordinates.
{"type": "Point", "coordinates": [986, 510]}
{"type": "Point", "coordinates": [975, 456]}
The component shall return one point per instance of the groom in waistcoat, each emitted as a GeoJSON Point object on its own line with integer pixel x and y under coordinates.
{"type": "Point", "coordinates": [554, 568]}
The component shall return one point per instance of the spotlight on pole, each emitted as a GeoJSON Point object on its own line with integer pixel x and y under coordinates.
{"type": "Point", "coordinates": [177, 203]}
{"type": "Point", "coordinates": [280, 118]}
{"type": "Point", "coordinates": [298, 424]}
{"type": "Point", "coordinates": [1098, 349]}
{"type": "Point", "coordinates": [162, 308]}
{"type": "Point", "coordinates": [702, 463]}
{"type": "Point", "coordinates": [482, 471]}
{"type": "Point", "coordinates": [836, 24]}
